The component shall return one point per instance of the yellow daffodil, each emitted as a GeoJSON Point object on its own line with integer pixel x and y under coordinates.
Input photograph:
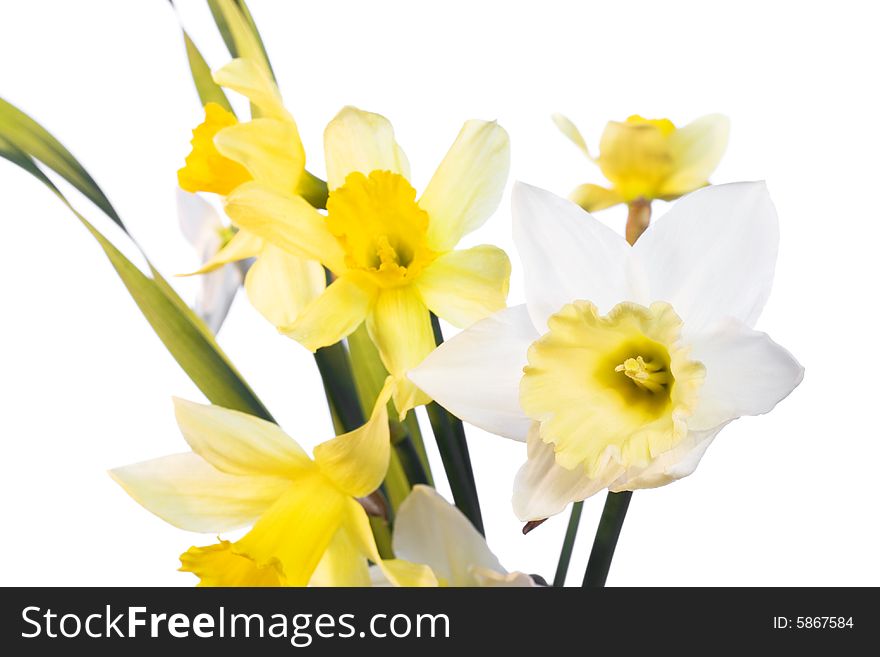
{"type": "Point", "coordinates": [646, 159]}
{"type": "Point", "coordinates": [429, 530]}
{"type": "Point", "coordinates": [626, 361]}
{"type": "Point", "coordinates": [392, 254]}
{"type": "Point", "coordinates": [267, 149]}
{"type": "Point", "coordinates": [245, 471]}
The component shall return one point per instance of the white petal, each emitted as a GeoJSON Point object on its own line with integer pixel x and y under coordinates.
{"type": "Point", "coordinates": [199, 223]}
{"type": "Point", "coordinates": [670, 466]}
{"type": "Point", "coordinates": [492, 579]}
{"type": "Point", "coordinates": [238, 443]}
{"type": "Point", "coordinates": [476, 374]}
{"type": "Point", "coordinates": [429, 530]}
{"type": "Point", "coordinates": [216, 295]}
{"type": "Point", "coordinates": [543, 488]}
{"type": "Point", "coordinates": [566, 254]}
{"type": "Point", "coordinates": [188, 492]}
{"type": "Point", "coordinates": [713, 255]}
{"type": "Point", "coordinates": [746, 374]}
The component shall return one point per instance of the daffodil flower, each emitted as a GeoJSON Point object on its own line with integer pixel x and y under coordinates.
{"type": "Point", "coordinates": [207, 234]}
{"type": "Point", "coordinates": [245, 471]}
{"type": "Point", "coordinates": [646, 159]}
{"type": "Point", "coordinates": [626, 361]}
{"type": "Point", "coordinates": [392, 255]}
{"type": "Point", "coordinates": [226, 154]}
{"type": "Point", "coordinates": [429, 530]}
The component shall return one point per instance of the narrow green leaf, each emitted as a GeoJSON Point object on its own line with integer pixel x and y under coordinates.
{"type": "Point", "coordinates": [239, 31]}
{"type": "Point", "coordinates": [453, 448]}
{"type": "Point", "coordinates": [31, 138]}
{"type": "Point", "coordinates": [185, 336]}
{"type": "Point", "coordinates": [335, 368]}
{"type": "Point", "coordinates": [249, 19]}
{"type": "Point", "coordinates": [208, 90]}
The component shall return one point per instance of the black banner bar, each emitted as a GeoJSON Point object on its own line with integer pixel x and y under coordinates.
{"type": "Point", "coordinates": [422, 621]}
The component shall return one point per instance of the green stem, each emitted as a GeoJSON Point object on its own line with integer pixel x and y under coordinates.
{"type": "Point", "coordinates": [451, 442]}
{"type": "Point", "coordinates": [568, 544]}
{"type": "Point", "coordinates": [408, 455]}
{"type": "Point", "coordinates": [335, 369]}
{"type": "Point", "coordinates": [607, 534]}
{"type": "Point", "coordinates": [382, 534]}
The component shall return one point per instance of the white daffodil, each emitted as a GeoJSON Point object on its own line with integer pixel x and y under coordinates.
{"type": "Point", "coordinates": [626, 361]}
{"type": "Point", "coordinates": [429, 530]}
{"type": "Point", "coordinates": [201, 225]}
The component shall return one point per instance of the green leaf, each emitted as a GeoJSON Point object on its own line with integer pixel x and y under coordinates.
{"type": "Point", "coordinates": [184, 335]}
{"type": "Point", "coordinates": [208, 90]}
{"type": "Point", "coordinates": [239, 31]}
{"type": "Point", "coordinates": [32, 139]}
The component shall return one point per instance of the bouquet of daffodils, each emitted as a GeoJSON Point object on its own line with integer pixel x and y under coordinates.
{"type": "Point", "coordinates": [626, 361]}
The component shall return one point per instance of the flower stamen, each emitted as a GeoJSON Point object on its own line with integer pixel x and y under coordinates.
{"type": "Point", "coordinates": [650, 376]}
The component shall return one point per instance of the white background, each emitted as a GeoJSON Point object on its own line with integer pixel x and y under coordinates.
{"type": "Point", "coordinates": [785, 499]}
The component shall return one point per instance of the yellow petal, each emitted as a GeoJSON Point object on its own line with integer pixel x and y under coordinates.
{"type": "Point", "coordinates": [357, 461]}
{"type": "Point", "coordinates": [665, 126]}
{"type": "Point", "coordinates": [252, 81]}
{"type": "Point", "coordinates": [635, 157]}
{"type": "Point", "coordinates": [188, 492]}
{"type": "Point", "coordinates": [696, 150]}
{"type": "Point", "coordinates": [570, 130]}
{"type": "Point", "coordinates": [467, 186]}
{"type": "Point", "coordinates": [341, 308]}
{"type": "Point", "coordinates": [463, 287]}
{"type": "Point", "coordinates": [343, 564]}
{"type": "Point", "coordinates": [243, 245]}
{"type": "Point", "coordinates": [400, 327]}
{"type": "Point", "coordinates": [296, 531]}
{"type": "Point", "coordinates": [405, 573]}
{"type": "Point", "coordinates": [217, 565]}
{"type": "Point", "coordinates": [406, 396]}
{"type": "Point", "coordinates": [206, 169]}
{"type": "Point", "coordinates": [356, 140]}
{"type": "Point", "coordinates": [398, 573]}
{"type": "Point", "coordinates": [280, 285]}
{"type": "Point", "coordinates": [238, 443]}
{"type": "Point", "coordinates": [269, 149]}
{"type": "Point", "coordinates": [287, 221]}
{"type": "Point", "coordinates": [593, 198]}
